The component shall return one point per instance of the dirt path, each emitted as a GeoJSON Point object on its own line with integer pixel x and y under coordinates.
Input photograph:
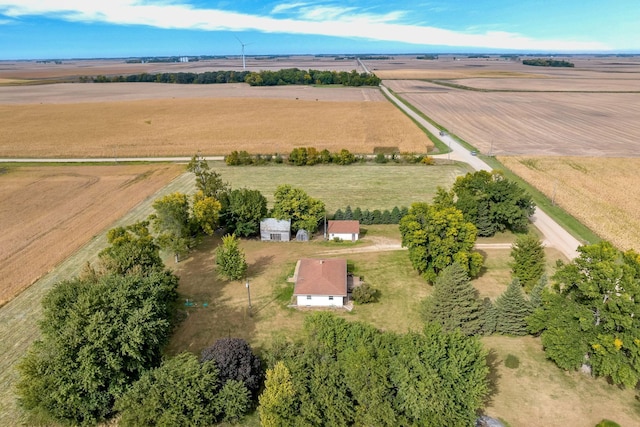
{"type": "Point", "coordinates": [19, 318]}
{"type": "Point", "coordinates": [384, 244]}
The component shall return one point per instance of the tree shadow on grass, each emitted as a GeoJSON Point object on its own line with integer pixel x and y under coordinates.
{"type": "Point", "coordinates": [493, 361]}
{"type": "Point", "coordinates": [259, 265]}
{"type": "Point", "coordinates": [483, 269]}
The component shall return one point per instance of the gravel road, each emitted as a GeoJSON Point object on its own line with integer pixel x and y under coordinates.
{"type": "Point", "coordinates": [554, 234]}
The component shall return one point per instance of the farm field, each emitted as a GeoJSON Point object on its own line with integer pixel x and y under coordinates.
{"type": "Point", "coordinates": [211, 126]}
{"type": "Point", "coordinates": [48, 212]}
{"type": "Point", "coordinates": [510, 123]}
{"type": "Point", "coordinates": [602, 193]}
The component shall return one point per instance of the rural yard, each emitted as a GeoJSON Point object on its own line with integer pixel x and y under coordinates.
{"type": "Point", "coordinates": [572, 133]}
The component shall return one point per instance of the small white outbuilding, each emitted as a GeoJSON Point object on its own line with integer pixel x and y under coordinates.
{"type": "Point", "coordinates": [348, 230]}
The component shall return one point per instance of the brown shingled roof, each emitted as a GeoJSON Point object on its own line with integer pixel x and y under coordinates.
{"type": "Point", "coordinates": [321, 277]}
{"type": "Point", "coordinates": [343, 226]}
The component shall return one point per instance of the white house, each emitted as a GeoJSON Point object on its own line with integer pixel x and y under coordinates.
{"type": "Point", "coordinates": [344, 229]}
{"type": "Point", "coordinates": [275, 230]}
{"type": "Point", "coordinates": [321, 282]}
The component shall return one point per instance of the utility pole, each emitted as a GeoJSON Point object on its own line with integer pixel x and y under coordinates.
{"type": "Point", "coordinates": [248, 295]}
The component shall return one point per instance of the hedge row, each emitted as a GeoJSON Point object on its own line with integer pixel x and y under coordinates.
{"type": "Point", "coordinates": [368, 217]}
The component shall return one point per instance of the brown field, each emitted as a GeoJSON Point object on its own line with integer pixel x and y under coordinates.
{"type": "Point", "coordinates": [562, 124]}
{"type": "Point", "coordinates": [211, 126]}
{"type": "Point", "coordinates": [602, 193]}
{"type": "Point", "coordinates": [47, 213]}
{"type": "Point", "coordinates": [553, 84]}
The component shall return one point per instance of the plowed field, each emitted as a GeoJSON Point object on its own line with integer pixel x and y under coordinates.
{"type": "Point", "coordinates": [48, 212]}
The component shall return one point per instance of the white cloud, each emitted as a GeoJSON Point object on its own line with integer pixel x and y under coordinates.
{"type": "Point", "coordinates": [285, 7]}
{"type": "Point", "coordinates": [310, 20]}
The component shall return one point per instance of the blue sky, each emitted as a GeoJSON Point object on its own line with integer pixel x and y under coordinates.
{"type": "Point", "coordinates": [59, 29]}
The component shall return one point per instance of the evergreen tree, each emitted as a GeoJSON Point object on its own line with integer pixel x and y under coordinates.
{"type": "Point", "coordinates": [490, 317]}
{"type": "Point", "coordinates": [367, 217]}
{"type": "Point", "coordinates": [512, 310]}
{"type": "Point", "coordinates": [357, 214]}
{"type": "Point", "coordinates": [528, 260]}
{"type": "Point", "coordinates": [376, 217]}
{"type": "Point", "coordinates": [485, 227]}
{"type": "Point", "coordinates": [535, 297]}
{"type": "Point", "coordinates": [386, 217]}
{"type": "Point", "coordinates": [396, 215]}
{"type": "Point", "coordinates": [348, 213]}
{"type": "Point", "coordinates": [403, 211]}
{"type": "Point", "coordinates": [339, 215]}
{"type": "Point", "coordinates": [454, 303]}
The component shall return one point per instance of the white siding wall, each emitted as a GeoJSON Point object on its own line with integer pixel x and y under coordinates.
{"type": "Point", "coordinates": [319, 301]}
{"type": "Point", "coordinates": [346, 236]}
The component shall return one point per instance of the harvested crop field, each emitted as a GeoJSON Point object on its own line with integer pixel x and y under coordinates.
{"type": "Point", "coordinates": [211, 126]}
{"type": "Point", "coordinates": [559, 124]}
{"type": "Point", "coordinates": [602, 193]}
{"type": "Point", "coordinates": [48, 212]}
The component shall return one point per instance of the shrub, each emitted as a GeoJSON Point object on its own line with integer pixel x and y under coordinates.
{"type": "Point", "coordinates": [512, 362]}
{"type": "Point", "coordinates": [364, 294]}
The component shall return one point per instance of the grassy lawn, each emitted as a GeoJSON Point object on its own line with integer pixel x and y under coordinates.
{"type": "Point", "coordinates": [534, 393]}
{"type": "Point", "coordinates": [368, 186]}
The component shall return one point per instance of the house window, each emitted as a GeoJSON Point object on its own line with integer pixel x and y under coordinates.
{"type": "Point", "coordinates": [308, 296]}
{"type": "Point", "coordinates": [331, 298]}
{"type": "Point", "coordinates": [275, 236]}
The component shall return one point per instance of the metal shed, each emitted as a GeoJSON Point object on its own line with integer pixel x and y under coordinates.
{"type": "Point", "coordinates": [275, 230]}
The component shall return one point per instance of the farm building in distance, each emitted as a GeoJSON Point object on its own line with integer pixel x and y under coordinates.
{"type": "Point", "coordinates": [275, 230]}
{"type": "Point", "coordinates": [321, 282]}
{"type": "Point", "coordinates": [344, 230]}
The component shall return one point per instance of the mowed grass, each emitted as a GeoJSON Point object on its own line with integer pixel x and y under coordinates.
{"type": "Point", "coordinates": [368, 186]}
{"type": "Point", "coordinates": [602, 193]}
{"type": "Point", "coordinates": [535, 393]}
{"type": "Point", "coordinates": [211, 126]}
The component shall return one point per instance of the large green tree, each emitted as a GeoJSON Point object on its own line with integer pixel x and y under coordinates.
{"type": "Point", "coordinates": [235, 361]}
{"type": "Point", "coordinates": [182, 392]}
{"type": "Point", "coordinates": [454, 303]}
{"type": "Point", "coordinates": [348, 373]}
{"type": "Point", "coordinates": [207, 180]}
{"type": "Point", "coordinates": [171, 221]}
{"type": "Point", "coordinates": [493, 202]}
{"type": "Point", "coordinates": [592, 316]}
{"type": "Point", "coordinates": [512, 309]}
{"type": "Point", "coordinates": [246, 208]}
{"type": "Point", "coordinates": [131, 246]}
{"type": "Point", "coordinates": [230, 259]}
{"type": "Point", "coordinates": [437, 237]}
{"type": "Point", "coordinates": [295, 204]}
{"type": "Point", "coordinates": [528, 263]}
{"type": "Point", "coordinates": [98, 336]}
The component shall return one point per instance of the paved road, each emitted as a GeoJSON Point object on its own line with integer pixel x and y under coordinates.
{"type": "Point", "coordinates": [554, 234]}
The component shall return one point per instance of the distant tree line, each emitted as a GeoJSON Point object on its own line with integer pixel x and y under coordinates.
{"type": "Point", "coordinates": [290, 76]}
{"type": "Point", "coordinates": [428, 57]}
{"type": "Point", "coordinates": [208, 77]}
{"type": "Point", "coordinates": [541, 62]}
{"type": "Point", "coordinates": [295, 76]}
{"type": "Point", "coordinates": [375, 216]}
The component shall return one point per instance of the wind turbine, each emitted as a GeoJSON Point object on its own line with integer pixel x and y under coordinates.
{"type": "Point", "coordinates": [244, 64]}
